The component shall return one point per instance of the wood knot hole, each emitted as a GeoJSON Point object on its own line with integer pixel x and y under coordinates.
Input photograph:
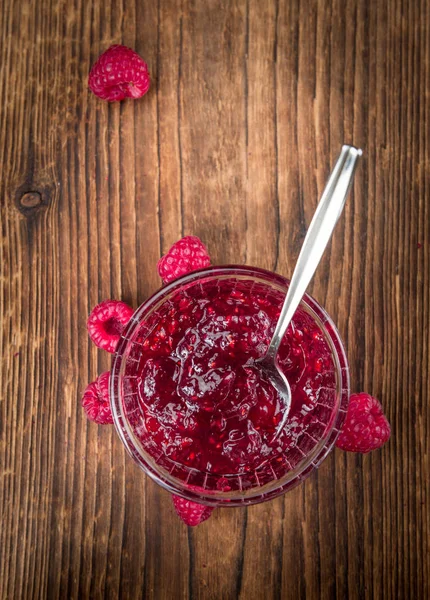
{"type": "Point", "coordinates": [31, 200]}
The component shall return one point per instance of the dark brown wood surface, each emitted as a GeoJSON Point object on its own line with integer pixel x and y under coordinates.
{"type": "Point", "coordinates": [250, 103]}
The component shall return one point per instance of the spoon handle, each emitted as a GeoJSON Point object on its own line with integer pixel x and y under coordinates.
{"type": "Point", "coordinates": [319, 233]}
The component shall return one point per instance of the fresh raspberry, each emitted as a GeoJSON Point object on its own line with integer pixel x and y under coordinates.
{"type": "Point", "coordinates": [95, 400]}
{"type": "Point", "coordinates": [119, 73]}
{"type": "Point", "coordinates": [106, 323]}
{"type": "Point", "coordinates": [366, 427]}
{"type": "Point", "coordinates": [191, 513]}
{"type": "Point", "coordinates": [186, 255]}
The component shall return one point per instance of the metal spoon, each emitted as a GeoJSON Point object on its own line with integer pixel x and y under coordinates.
{"type": "Point", "coordinates": [319, 233]}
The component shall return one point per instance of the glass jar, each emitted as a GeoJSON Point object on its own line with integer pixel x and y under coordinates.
{"type": "Point", "coordinates": [187, 481]}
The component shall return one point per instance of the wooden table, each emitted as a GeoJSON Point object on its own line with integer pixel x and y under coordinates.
{"type": "Point", "coordinates": [249, 105]}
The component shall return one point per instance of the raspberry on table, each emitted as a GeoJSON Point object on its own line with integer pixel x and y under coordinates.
{"type": "Point", "coordinates": [119, 73]}
{"type": "Point", "coordinates": [95, 400]}
{"type": "Point", "coordinates": [366, 428]}
{"type": "Point", "coordinates": [185, 256]}
{"type": "Point", "coordinates": [106, 323]}
{"type": "Point", "coordinates": [191, 513]}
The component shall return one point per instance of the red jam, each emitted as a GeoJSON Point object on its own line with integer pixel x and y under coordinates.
{"type": "Point", "coordinates": [201, 405]}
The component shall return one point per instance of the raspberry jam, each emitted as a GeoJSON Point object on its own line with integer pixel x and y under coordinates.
{"type": "Point", "coordinates": [198, 405]}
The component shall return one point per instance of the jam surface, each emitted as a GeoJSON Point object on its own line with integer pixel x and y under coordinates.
{"type": "Point", "coordinates": [199, 405]}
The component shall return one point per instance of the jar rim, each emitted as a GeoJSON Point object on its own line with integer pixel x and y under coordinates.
{"type": "Point", "coordinates": [178, 486]}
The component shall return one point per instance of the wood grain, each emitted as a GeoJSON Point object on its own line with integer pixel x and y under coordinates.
{"type": "Point", "coordinates": [249, 105]}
